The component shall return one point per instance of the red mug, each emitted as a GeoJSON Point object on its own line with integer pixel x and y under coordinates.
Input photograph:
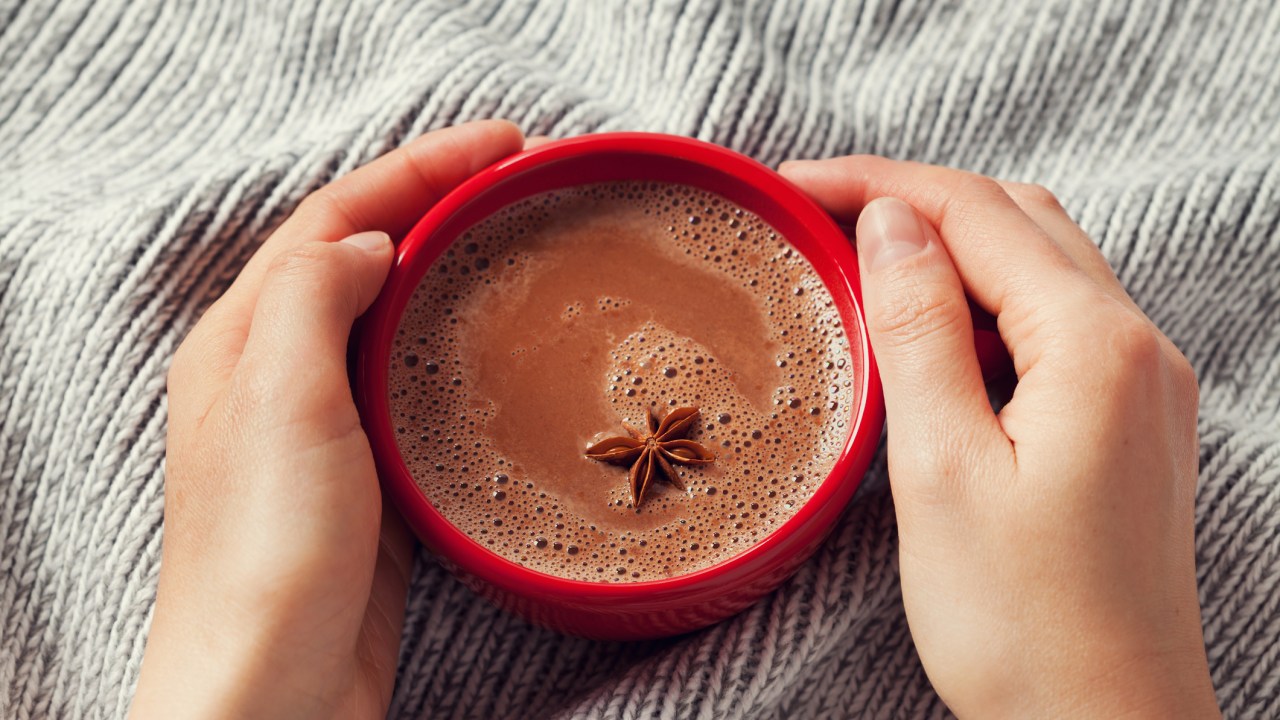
{"type": "Point", "coordinates": [656, 608]}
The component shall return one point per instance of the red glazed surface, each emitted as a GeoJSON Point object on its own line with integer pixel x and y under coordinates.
{"type": "Point", "coordinates": [624, 611]}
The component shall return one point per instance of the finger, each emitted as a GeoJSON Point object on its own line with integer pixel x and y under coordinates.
{"type": "Point", "coordinates": [295, 358]}
{"type": "Point", "coordinates": [1042, 206]}
{"type": "Point", "coordinates": [1005, 260]}
{"type": "Point", "coordinates": [536, 141]}
{"type": "Point", "coordinates": [389, 194]}
{"type": "Point", "coordinates": [918, 320]}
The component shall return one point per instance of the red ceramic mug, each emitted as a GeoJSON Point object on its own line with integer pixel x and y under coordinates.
{"type": "Point", "coordinates": [657, 608]}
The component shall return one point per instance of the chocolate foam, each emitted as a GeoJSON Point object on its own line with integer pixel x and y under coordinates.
{"type": "Point", "coordinates": [551, 322]}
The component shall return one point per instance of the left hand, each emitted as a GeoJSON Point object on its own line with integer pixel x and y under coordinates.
{"type": "Point", "coordinates": [283, 577]}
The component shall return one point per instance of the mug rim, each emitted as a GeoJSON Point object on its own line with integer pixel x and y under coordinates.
{"type": "Point", "coordinates": [380, 323]}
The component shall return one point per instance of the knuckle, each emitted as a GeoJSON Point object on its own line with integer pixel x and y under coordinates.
{"type": "Point", "coordinates": [983, 187]}
{"type": "Point", "coordinates": [1036, 195]}
{"type": "Point", "coordinates": [981, 191]}
{"type": "Point", "coordinates": [967, 211]}
{"type": "Point", "coordinates": [1135, 343]}
{"type": "Point", "coordinates": [255, 395]}
{"type": "Point", "coordinates": [318, 272]}
{"type": "Point", "coordinates": [933, 473]}
{"type": "Point", "coordinates": [252, 391]}
{"type": "Point", "coordinates": [310, 260]}
{"type": "Point", "coordinates": [330, 206]}
{"type": "Point", "coordinates": [1182, 372]}
{"type": "Point", "coordinates": [320, 204]}
{"type": "Point", "coordinates": [914, 313]}
{"type": "Point", "coordinates": [937, 468]}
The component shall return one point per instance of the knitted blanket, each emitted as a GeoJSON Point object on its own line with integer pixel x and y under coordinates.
{"type": "Point", "coordinates": [148, 147]}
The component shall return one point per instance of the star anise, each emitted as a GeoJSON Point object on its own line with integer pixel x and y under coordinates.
{"type": "Point", "coordinates": [652, 453]}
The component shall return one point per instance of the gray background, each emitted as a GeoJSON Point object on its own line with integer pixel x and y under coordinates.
{"type": "Point", "coordinates": [147, 147]}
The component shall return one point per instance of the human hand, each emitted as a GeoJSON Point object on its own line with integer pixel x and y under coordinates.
{"type": "Point", "coordinates": [283, 577]}
{"type": "Point", "coordinates": [1047, 551]}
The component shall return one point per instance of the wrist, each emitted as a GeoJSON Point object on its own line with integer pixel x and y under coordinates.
{"type": "Point", "coordinates": [1169, 686]}
{"type": "Point", "coordinates": [1159, 688]}
{"type": "Point", "coordinates": [205, 669]}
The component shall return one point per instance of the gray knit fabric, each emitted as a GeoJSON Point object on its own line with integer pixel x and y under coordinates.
{"type": "Point", "coordinates": [147, 147]}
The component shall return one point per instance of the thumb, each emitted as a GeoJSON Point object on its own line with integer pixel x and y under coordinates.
{"type": "Point", "coordinates": [918, 321]}
{"type": "Point", "coordinates": [296, 351]}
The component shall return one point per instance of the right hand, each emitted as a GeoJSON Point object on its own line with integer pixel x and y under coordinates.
{"type": "Point", "coordinates": [1047, 551]}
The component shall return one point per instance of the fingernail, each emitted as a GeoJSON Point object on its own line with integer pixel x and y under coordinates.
{"type": "Point", "coordinates": [888, 232]}
{"type": "Point", "coordinates": [370, 241]}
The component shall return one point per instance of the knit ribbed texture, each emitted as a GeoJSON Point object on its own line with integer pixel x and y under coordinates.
{"type": "Point", "coordinates": [147, 148]}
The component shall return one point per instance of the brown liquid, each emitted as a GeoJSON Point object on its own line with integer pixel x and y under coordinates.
{"type": "Point", "coordinates": [547, 325]}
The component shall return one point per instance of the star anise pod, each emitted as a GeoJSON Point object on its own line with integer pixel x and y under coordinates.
{"type": "Point", "coordinates": [652, 453]}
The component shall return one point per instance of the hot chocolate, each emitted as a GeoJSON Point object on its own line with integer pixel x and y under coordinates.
{"type": "Point", "coordinates": [550, 324]}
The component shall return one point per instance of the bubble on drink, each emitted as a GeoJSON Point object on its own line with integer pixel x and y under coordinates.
{"type": "Point", "coordinates": [595, 304]}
